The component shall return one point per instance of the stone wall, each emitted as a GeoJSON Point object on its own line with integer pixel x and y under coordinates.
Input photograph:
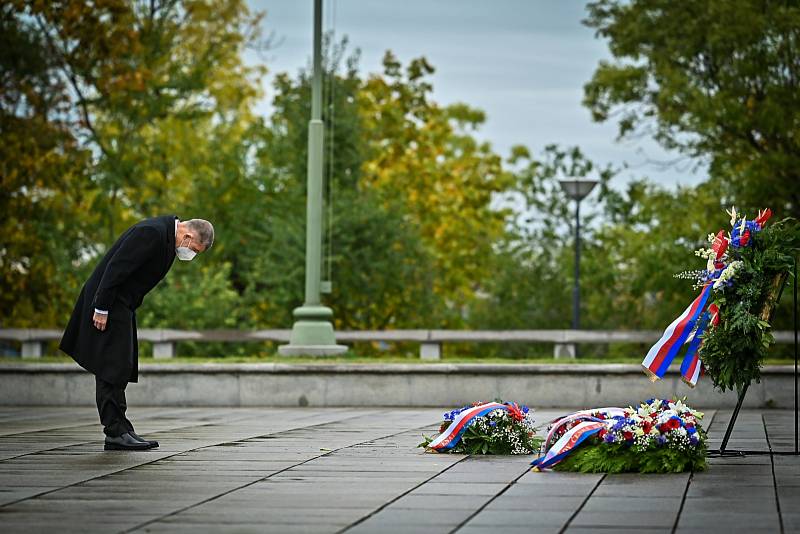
{"type": "Point", "coordinates": [445, 385]}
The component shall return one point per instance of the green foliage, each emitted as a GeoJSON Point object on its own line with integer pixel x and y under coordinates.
{"type": "Point", "coordinates": [193, 297]}
{"type": "Point", "coordinates": [381, 270]}
{"type": "Point", "coordinates": [733, 351]}
{"type": "Point", "coordinates": [45, 199]}
{"type": "Point", "coordinates": [599, 457]}
{"type": "Point", "coordinates": [425, 158]}
{"type": "Point", "coordinates": [718, 80]}
{"type": "Point", "coordinates": [111, 112]}
{"type": "Point", "coordinates": [117, 110]}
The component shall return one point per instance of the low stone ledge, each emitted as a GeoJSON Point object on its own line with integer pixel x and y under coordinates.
{"type": "Point", "coordinates": [435, 384]}
{"type": "Point", "coordinates": [371, 368]}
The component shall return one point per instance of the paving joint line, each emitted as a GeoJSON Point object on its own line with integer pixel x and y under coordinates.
{"type": "Point", "coordinates": [689, 480]}
{"type": "Point", "coordinates": [490, 501]}
{"type": "Point", "coordinates": [578, 510]}
{"type": "Point", "coordinates": [774, 480]}
{"type": "Point", "coordinates": [164, 458]}
{"type": "Point", "coordinates": [160, 411]}
{"type": "Point", "coordinates": [50, 429]}
{"type": "Point", "coordinates": [198, 425]}
{"type": "Point", "coordinates": [387, 504]}
{"type": "Point", "coordinates": [327, 453]}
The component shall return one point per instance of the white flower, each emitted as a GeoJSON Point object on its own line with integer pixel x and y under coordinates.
{"type": "Point", "coordinates": [728, 273]}
{"type": "Point", "coordinates": [732, 213]}
{"type": "Point", "coordinates": [677, 407]}
{"type": "Point", "coordinates": [706, 253]}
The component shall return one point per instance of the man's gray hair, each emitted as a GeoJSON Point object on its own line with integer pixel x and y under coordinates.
{"type": "Point", "coordinates": [204, 231]}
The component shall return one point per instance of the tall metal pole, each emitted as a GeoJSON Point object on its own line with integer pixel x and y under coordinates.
{"type": "Point", "coordinates": [312, 333]}
{"type": "Point", "coordinates": [794, 321]}
{"type": "Point", "coordinates": [577, 190]}
{"type": "Point", "coordinates": [576, 290]}
{"type": "Point", "coordinates": [316, 133]}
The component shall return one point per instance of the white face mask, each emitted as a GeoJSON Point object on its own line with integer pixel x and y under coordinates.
{"type": "Point", "coordinates": [185, 253]}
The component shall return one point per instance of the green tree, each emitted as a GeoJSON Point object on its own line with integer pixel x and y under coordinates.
{"type": "Point", "coordinates": [44, 198]}
{"type": "Point", "coordinates": [426, 156]}
{"type": "Point", "coordinates": [718, 80]}
{"type": "Point", "coordinates": [531, 285]}
{"type": "Point", "coordinates": [159, 103]}
{"type": "Point", "coordinates": [380, 268]}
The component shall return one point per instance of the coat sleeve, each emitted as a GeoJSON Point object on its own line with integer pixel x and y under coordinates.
{"type": "Point", "coordinates": [140, 246]}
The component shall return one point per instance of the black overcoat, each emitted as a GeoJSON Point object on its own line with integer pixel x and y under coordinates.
{"type": "Point", "coordinates": [138, 261]}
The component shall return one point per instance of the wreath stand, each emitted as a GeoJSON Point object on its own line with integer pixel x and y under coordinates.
{"type": "Point", "coordinates": [723, 451]}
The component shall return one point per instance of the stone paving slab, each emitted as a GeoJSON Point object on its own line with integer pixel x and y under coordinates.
{"type": "Point", "coordinates": [358, 470]}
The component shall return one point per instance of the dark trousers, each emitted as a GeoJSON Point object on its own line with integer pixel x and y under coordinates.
{"type": "Point", "coordinates": [111, 406]}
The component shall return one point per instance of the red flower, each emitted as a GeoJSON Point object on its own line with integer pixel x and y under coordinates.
{"type": "Point", "coordinates": [668, 425]}
{"type": "Point", "coordinates": [646, 426]}
{"type": "Point", "coordinates": [714, 311]}
{"type": "Point", "coordinates": [515, 412]}
{"type": "Point", "coordinates": [720, 245]}
{"type": "Point", "coordinates": [745, 238]}
{"type": "Point", "coordinates": [627, 435]}
{"type": "Point", "coordinates": [763, 216]}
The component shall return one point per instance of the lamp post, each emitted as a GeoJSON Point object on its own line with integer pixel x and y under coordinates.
{"type": "Point", "coordinates": [312, 333]}
{"type": "Point", "coordinates": [577, 190]}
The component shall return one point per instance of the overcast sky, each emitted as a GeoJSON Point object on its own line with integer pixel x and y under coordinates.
{"type": "Point", "coordinates": [523, 62]}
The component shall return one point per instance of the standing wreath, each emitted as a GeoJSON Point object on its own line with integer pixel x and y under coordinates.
{"type": "Point", "coordinates": [727, 327]}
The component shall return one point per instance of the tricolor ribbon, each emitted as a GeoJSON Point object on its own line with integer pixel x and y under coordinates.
{"type": "Point", "coordinates": [588, 425]}
{"type": "Point", "coordinates": [452, 434]}
{"type": "Point", "coordinates": [556, 424]}
{"type": "Point", "coordinates": [692, 323]}
{"type": "Point", "coordinates": [690, 368]}
{"type": "Point", "coordinates": [567, 443]}
{"type": "Point", "coordinates": [661, 355]}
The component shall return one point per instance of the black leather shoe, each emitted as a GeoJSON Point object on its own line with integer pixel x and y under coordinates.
{"type": "Point", "coordinates": [125, 442]}
{"type": "Point", "coordinates": [153, 443]}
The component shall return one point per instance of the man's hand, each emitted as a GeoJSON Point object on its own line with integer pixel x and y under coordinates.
{"type": "Point", "coordinates": [100, 320]}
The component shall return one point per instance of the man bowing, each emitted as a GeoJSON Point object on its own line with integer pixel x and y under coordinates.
{"type": "Point", "coordinates": [101, 334]}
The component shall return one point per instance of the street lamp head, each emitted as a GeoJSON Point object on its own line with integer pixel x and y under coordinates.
{"type": "Point", "coordinates": [577, 189]}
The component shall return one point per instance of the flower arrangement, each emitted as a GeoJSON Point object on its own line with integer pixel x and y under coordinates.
{"type": "Point", "coordinates": [486, 428]}
{"type": "Point", "coordinates": [748, 272]}
{"type": "Point", "coordinates": [727, 327]}
{"type": "Point", "coordinates": [660, 436]}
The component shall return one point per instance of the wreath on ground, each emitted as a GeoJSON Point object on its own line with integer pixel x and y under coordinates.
{"type": "Point", "coordinates": [486, 428]}
{"type": "Point", "coordinates": [660, 436]}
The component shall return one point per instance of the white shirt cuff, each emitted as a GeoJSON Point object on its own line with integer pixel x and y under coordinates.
{"type": "Point", "coordinates": [101, 312]}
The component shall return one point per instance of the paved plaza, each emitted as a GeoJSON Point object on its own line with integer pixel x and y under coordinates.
{"type": "Point", "coordinates": [358, 470]}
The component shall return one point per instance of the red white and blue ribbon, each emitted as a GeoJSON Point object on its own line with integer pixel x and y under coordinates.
{"type": "Point", "coordinates": [692, 323]}
{"type": "Point", "coordinates": [452, 434]}
{"type": "Point", "coordinates": [567, 443]}
{"type": "Point", "coordinates": [690, 368]}
{"type": "Point", "coordinates": [661, 355]}
{"type": "Point", "coordinates": [556, 424]}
